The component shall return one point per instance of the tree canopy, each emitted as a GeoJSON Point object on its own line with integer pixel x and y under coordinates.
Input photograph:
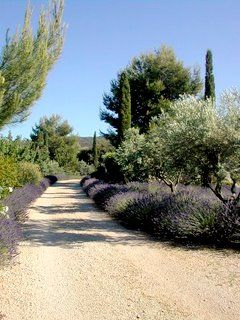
{"type": "Point", "coordinates": [26, 60]}
{"type": "Point", "coordinates": [55, 136]}
{"type": "Point", "coordinates": [155, 80]}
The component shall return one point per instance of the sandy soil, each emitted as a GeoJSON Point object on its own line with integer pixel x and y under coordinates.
{"type": "Point", "coordinates": [76, 263]}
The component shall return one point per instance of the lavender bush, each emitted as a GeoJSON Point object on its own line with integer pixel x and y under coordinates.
{"type": "Point", "coordinates": [90, 183]}
{"type": "Point", "coordinates": [10, 234]}
{"type": "Point", "coordinates": [18, 202]}
{"type": "Point", "coordinates": [102, 193]}
{"type": "Point", "coordinates": [193, 213]}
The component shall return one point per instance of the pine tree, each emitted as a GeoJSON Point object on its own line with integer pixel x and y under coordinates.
{"type": "Point", "coordinates": [156, 79]}
{"type": "Point", "coordinates": [125, 107]}
{"type": "Point", "coordinates": [95, 151]}
{"type": "Point", "coordinates": [209, 77]}
{"type": "Point", "coordinates": [25, 61]}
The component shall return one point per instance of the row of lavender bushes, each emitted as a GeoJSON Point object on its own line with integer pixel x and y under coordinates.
{"type": "Point", "coordinates": [192, 214]}
{"type": "Point", "coordinates": [18, 202]}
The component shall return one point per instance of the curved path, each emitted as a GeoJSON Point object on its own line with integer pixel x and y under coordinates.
{"type": "Point", "coordinates": [78, 264]}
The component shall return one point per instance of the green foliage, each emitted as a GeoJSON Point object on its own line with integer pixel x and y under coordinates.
{"type": "Point", "coordinates": [84, 168]}
{"type": "Point", "coordinates": [196, 139]}
{"type": "Point", "coordinates": [202, 137]}
{"type": "Point", "coordinates": [53, 139]}
{"type": "Point", "coordinates": [19, 149]}
{"type": "Point", "coordinates": [8, 172]}
{"type": "Point", "coordinates": [109, 169]}
{"type": "Point", "coordinates": [28, 173]}
{"type": "Point", "coordinates": [95, 151]}
{"type": "Point", "coordinates": [85, 155]}
{"type": "Point", "coordinates": [50, 167]}
{"type": "Point", "coordinates": [130, 156]}
{"type": "Point", "coordinates": [25, 62]}
{"type": "Point", "coordinates": [125, 107]}
{"type": "Point", "coordinates": [155, 79]}
{"type": "Point", "coordinates": [209, 77]}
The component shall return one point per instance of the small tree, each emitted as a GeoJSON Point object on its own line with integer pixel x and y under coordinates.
{"type": "Point", "coordinates": [25, 62]}
{"type": "Point", "coordinates": [202, 136]}
{"type": "Point", "coordinates": [125, 107]}
{"type": "Point", "coordinates": [95, 151]}
{"type": "Point", "coordinates": [53, 137]}
{"type": "Point", "coordinates": [131, 156]}
{"type": "Point", "coordinates": [209, 77]}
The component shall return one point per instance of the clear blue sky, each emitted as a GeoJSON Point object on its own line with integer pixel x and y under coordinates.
{"type": "Point", "coordinates": [104, 35]}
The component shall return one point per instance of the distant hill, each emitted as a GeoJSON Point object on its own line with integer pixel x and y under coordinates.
{"type": "Point", "coordinates": [86, 142]}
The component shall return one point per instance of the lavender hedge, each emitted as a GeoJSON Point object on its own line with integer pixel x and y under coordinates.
{"type": "Point", "coordinates": [192, 214]}
{"type": "Point", "coordinates": [18, 202]}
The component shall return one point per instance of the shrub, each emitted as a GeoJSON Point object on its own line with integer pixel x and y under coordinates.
{"type": "Point", "coordinates": [109, 170]}
{"type": "Point", "coordinates": [50, 168]}
{"type": "Point", "coordinates": [20, 199]}
{"type": "Point", "coordinates": [192, 214]}
{"type": "Point", "coordinates": [101, 193]}
{"type": "Point", "coordinates": [49, 180]}
{"type": "Point", "coordinates": [85, 168]}
{"type": "Point", "coordinates": [84, 179]}
{"type": "Point", "coordinates": [227, 225]}
{"type": "Point", "coordinates": [18, 202]}
{"type": "Point", "coordinates": [8, 172]}
{"type": "Point", "coordinates": [137, 210]}
{"type": "Point", "coordinates": [118, 203]}
{"type": "Point", "coordinates": [9, 236]}
{"type": "Point", "coordinates": [151, 187]}
{"type": "Point", "coordinates": [29, 173]}
{"type": "Point", "coordinates": [90, 183]}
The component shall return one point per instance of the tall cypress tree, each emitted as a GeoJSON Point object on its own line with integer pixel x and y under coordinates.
{"type": "Point", "coordinates": [94, 150]}
{"type": "Point", "coordinates": [125, 107]}
{"type": "Point", "coordinates": [209, 77]}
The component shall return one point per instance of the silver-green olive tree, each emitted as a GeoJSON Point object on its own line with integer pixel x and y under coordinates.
{"type": "Point", "coordinates": [26, 60]}
{"type": "Point", "coordinates": [131, 156]}
{"type": "Point", "coordinates": [201, 136]}
{"type": "Point", "coordinates": [196, 136]}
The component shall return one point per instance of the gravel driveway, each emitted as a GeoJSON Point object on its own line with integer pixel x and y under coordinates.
{"type": "Point", "coordinates": [78, 264]}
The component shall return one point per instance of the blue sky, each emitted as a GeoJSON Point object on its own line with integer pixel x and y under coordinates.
{"type": "Point", "coordinates": [104, 35]}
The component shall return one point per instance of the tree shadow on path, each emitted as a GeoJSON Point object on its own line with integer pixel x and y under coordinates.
{"type": "Point", "coordinates": [74, 222]}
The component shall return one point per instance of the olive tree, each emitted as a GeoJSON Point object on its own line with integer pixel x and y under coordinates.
{"type": "Point", "coordinates": [131, 157]}
{"type": "Point", "coordinates": [202, 137]}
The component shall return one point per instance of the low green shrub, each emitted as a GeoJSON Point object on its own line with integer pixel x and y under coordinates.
{"type": "Point", "coordinates": [28, 173]}
{"type": "Point", "coordinates": [8, 172]}
{"type": "Point", "coordinates": [50, 168]}
{"type": "Point", "coordinates": [85, 168]}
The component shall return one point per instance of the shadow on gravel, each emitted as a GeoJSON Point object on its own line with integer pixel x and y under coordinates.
{"type": "Point", "coordinates": [72, 232]}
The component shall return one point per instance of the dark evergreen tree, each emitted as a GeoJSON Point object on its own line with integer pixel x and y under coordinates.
{"type": "Point", "coordinates": [95, 151]}
{"type": "Point", "coordinates": [155, 80]}
{"type": "Point", "coordinates": [124, 107]}
{"type": "Point", "coordinates": [209, 77]}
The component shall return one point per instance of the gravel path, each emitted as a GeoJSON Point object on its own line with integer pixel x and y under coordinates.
{"type": "Point", "coordinates": [78, 264]}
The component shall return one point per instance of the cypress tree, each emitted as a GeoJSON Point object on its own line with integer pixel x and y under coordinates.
{"type": "Point", "coordinates": [125, 107]}
{"type": "Point", "coordinates": [209, 77]}
{"type": "Point", "coordinates": [94, 150]}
